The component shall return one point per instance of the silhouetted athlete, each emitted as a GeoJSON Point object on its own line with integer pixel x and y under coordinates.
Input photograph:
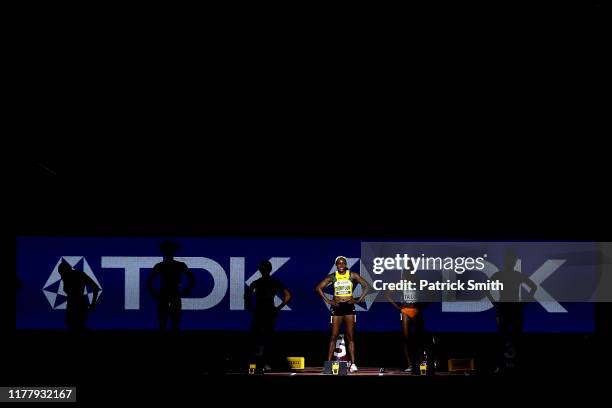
{"type": "Point", "coordinates": [509, 309]}
{"type": "Point", "coordinates": [169, 295]}
{"type": "Point", "coordinates": [77, 304]}
{"type": "Point", "coordinates": [264, 311]}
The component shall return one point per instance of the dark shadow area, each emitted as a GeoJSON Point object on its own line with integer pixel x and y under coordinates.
{"type": "Point", "coordinates": [152, 366]}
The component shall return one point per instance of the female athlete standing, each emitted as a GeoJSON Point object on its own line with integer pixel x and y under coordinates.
{"type": "Point", "coordinates": [343, 305]}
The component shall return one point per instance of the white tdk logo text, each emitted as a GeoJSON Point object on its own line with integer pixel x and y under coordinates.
{"type": "Point", "coordinates": [130, 267]}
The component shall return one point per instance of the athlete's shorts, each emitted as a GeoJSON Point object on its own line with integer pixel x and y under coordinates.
{"type": "Point", "coordinates": [343, 309]}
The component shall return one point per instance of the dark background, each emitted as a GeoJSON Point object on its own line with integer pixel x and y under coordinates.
{"type": "Point", "coordinates": [314, 123]}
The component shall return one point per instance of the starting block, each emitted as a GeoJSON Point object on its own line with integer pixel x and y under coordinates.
{"type": "Point", "coordinates": [336, 367]}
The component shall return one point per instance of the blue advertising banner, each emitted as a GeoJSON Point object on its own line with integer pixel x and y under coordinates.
{"type": "Point", "coordinates": [223, 268]}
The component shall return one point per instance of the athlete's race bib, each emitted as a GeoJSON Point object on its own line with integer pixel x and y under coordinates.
{"type": "Point", "coordinates": [410, 296]}
{"type": "Point", "coordinates": [343, 288]}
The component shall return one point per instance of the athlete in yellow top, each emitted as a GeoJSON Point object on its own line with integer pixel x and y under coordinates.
{"type": "Point", "coordinates": [343, 305]}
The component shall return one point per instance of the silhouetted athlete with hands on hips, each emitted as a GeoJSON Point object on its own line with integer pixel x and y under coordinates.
{"type": "Point", "coordinates": [265, 312]}
{"type": "Point", "coordinates": [77, 306]}
{"type": "Point", "coordinates": [169, 295]}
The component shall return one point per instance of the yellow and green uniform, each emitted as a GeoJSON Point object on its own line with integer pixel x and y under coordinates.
{"type": "Point", "coordinates": [343, 288]}
{"type": "Point", "coordinates": [343, 285]}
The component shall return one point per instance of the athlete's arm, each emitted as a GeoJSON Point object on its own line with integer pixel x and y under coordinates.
{"type": "Point", "coordinates": [248, 296]}
{"type": "Point", "coordinates": [532, 286]}
{"type": "Point", "coordinates": [286, 299]}
{"type": "Point", "coordinates": [365, 286]}
{"type": "Point", "coordinates": [191, 281]}
{"type": "Point", "coordinates": [94, 287]}
{"type": "Point", "coordinates": [395, 305]}
{"type": "Point", "coordinates": [322, 285]}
